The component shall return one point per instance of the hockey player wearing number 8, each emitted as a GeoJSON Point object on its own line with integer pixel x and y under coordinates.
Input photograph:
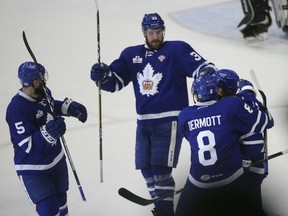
{"type": "Point", "coordinates": [216, 184]}
{"type": "Point", "coordinates": [252, 148]}
{"type": "Point", "coordinates": [158, 70]}
{"type": "Point", "coordinates": [35, 131]}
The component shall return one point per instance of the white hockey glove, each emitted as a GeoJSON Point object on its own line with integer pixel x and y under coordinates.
{"type": "Point", "coordinates": [246, 163]}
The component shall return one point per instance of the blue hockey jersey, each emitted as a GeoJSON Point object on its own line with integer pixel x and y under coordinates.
{"type": "Point", "coordinates": [213, 130]}
{"type": "Point", "coordinates": [32, 153]}
{"type": "Point", "coordinates": [252, 147]}
{"type": "Point", "coordinates": [158, 77]}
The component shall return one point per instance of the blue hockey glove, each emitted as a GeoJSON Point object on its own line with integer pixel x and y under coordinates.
{"type": "Point", "coordinates": [75, 109]}
{"type": "Point", "coordinates": [246, 85]}
{"type": "Point", "coordinates": [207, 70]}
{"type": "Point", "coordinates": [99, 71]}
{"type": "Point", "coordinates": [53, 130]}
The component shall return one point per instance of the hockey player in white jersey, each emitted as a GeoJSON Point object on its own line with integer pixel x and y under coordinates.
{"type": "Point", "coordinates": [35, 131]}
{"type": "Point", "coordinates": [158, 71]}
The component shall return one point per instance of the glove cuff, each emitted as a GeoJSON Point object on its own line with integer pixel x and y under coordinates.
{"type": "Point", "coordinates": [65, 105]}
{"type": "Point", "coordinates": [248, 87]}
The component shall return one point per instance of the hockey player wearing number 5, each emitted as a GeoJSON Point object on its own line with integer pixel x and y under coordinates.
{"type": "Point", "coordinates": [158, 71]}
{"type": "Point", "coordinates": [35, 131]}
{"type": "Point", "coordinates": [216, 184]}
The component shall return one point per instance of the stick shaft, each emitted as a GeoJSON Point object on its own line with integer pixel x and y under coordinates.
{"type": "Point", "coordinates": [99, 94]}
{"type": "Point", "coordinates": [53, 111]}
{"type": "Point", "coordinates": [255, 80]}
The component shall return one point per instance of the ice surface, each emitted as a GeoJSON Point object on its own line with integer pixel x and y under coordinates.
{"type": "Point", "coordinates": [62, 35]}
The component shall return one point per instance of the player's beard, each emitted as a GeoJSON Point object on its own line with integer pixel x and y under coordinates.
{"type": "Point", "coordinates": [39, 90]}
{"type": "Point", "coordinates": [155, 44]}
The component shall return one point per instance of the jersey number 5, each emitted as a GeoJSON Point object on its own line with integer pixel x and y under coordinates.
{"type": "Point", "coordinates": [20, 128]}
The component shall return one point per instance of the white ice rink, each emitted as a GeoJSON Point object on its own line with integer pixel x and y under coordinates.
{"type": "Point", "coordinates": [62, 35]}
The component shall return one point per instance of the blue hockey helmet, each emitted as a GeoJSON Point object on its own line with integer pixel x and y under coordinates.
{"type": "Point", "coordinates": [228, 80]}
{"type": "Point", "coordinates": [205, 87]}
{"type": "Point", "coordinates": [28, 72]}
{"type": "Point", "coordinates": [152, 21]}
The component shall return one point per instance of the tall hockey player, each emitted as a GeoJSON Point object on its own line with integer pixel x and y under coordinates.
{"type": "Point", "coordinates": [216, 184]}
{"type": "Point", "coordinates": [158, 70]}
{"type": "Point", "coordinates": [35, 131]}
{"type": "Point", "coordinates": [256, 19]}
{"type": "Point", "coordinates": [252, 148]}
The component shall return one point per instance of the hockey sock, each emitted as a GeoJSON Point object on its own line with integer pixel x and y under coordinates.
{"type": "Point", "coordinates": [149, 178]}
{"type": "Point", "coordinates": [164, 183]}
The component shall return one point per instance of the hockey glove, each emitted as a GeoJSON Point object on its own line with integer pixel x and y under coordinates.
{"type": "Point", "coordinates": [99, 71]}
{"type": "Point", "coordinates": [246, 163]}
{"type": "Point", "coordinates": [75, 109]}
{"type": "Point", "coordinates": [53, 130]}
{"type": "Point", "coordinates": [207, 70]}
{"type": "Point", "coordinates": [246, 85]}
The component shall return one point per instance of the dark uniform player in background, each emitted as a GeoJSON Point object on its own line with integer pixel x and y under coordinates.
{"type": "Point", "coordinates": [158, 71]}
{"type": "Point", "coordinates": [256, 19]}
{"type": "Point", "coordinates": [35, 132]}
{"type": "Point", "coordinates": [216, 184]}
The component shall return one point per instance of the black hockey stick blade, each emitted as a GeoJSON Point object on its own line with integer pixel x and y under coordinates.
{"type": "Point", "coordinates": [142, 201]}
{"type": "Point", "coordinates": [31, 53]}
{"type": "Point", "coordinates": [28, 48]}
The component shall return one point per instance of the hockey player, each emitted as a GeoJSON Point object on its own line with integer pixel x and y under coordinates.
{"type": "Point", "coordinates": [158, 70]}
{"type": "Point", "coordinates": [281, 14]}
{"type": "Point", "coordinates": [252, 148]}
{"type": "Point", "coordinates": [216, 184]}
{"type": "Point", "coordinates": [256, 19]}
{"type": "Point", "coordinates": [35, 131]}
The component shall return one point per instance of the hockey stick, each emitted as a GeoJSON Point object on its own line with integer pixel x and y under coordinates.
{"type": "Point", "coordinates": [142, 201]}
{"type": "Point", "coordinates": [125, 193]}
{"type": "Point", "coordinates": [53, 111]}
{"type": "Point", "coordinates": [99, 95]}
{"type": "Point", "coordinates": [265, 161]}
{"type": "Point", "coordinates": [270, 157]}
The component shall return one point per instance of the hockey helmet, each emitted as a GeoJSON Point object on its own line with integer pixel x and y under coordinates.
{"type": "Point", "coordinates": [152, 21]}
{"type": "Point", "coordinates": [228, 80]}
{"type": "Point", "coordinates": [28, 72]}
{"type": "Point", "coordinates": [205, 87]}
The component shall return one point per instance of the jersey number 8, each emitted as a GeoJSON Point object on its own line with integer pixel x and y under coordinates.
{"type": "Point", "coordinates": [207, 153]}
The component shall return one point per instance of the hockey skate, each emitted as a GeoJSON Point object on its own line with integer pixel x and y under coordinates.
{"type": "Point", "coordinates": [257, 30]}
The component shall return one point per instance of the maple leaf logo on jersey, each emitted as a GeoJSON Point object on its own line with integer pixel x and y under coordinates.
{"type": "Point", "coordinates": [39, 114]}
{"type": "Point", "coordinates": [148, 82]}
